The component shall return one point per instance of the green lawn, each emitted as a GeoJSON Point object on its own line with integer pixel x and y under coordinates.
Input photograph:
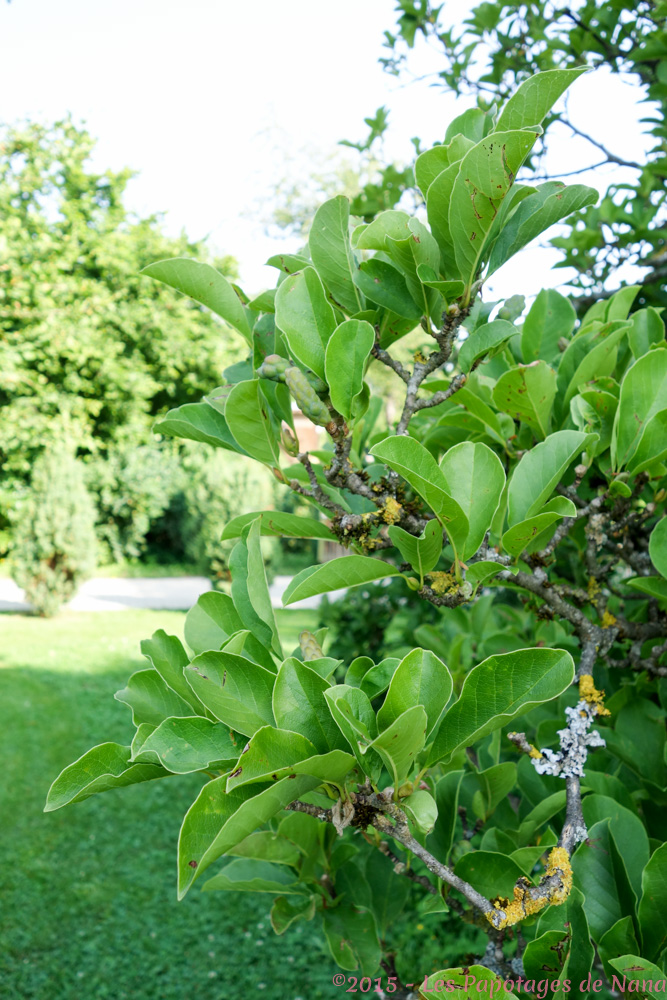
{"type": "Point", "coordinates": [88, 906]}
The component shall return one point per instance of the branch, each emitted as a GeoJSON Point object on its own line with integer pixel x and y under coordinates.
{"type": "Point", "coordinates": [386, 359]}
{"type": "Point", "coordinates": [400, 868]}
{"type": "Point", "coordinates": [610, 156]}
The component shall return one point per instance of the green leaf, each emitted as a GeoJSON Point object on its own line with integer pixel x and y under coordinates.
{"type": "Point", "coordinates": [539, 472]}
{"type": "Point", "coordinates": [389, 892]}
{"type": "Point", "coordinates": [248, 417]}
{"type": "Point", "coordinates": [329, 245]}
{"type": "Point", "coordinates": [598, 357]}
{"type": "Point", "coordinates": [536, 213]}
{"type": "Point", "coordinates": [420, 679]}
{"type": "Point", "coordinates": [439, 842]}
{"type": "Point", "coordinates": [618, 941]}
{"type": "Point", "coordinates": [527, 393]}
{"type": "Point", "coordinates": [417, 466]}
{"type": "Point", "coordinates": [466, 983]}
{"type": "Point", "coordinates": [251, 875]}
{"type": "Point", "coordinates": [184, 745]}
{"type": "Point", "coordinates": [285, 912]}
{"type": "Point", "coordinates": [273, 753]}
{"type": "Point", "coordinates": [300, 706]}
{"type": "Point", "coordinates": [250, 591]}
{"type": "Point", "coordinates": [655, 586]}
{"type": "Point", "coordinates": [596, 876]}
{"type": "Point", "coordinates": [203, 284]}
{"type": "Point", "coordinates": [150, 699]}
{"type": "Point", "coordinates": [475, 478]}
{"type": "Point", "coordinates": [345, 363]}
{"type": "Point", "coordinates": [217, 820]}
{"type": "Point", "coordinates": [430, 165]}
{"type": "Point", "coordinates": [647, 329]}
{"type": "Point", "coordinates": [628, 832]}
{"type": "Point", "coordinates": [544, 958]}
{"type": "Point", "coordinates": [374, 235]}
{"type": "Point", "coordinates": [652, 445]}
{"type": "Point", "coordinates": [643, 394]}
{"type": "Point", "coordinates": [423, 551]}
{"type": "Point", "coordinates": [343, 572]}
{"type": "Point", "coordinates": [353, 713]}
{"type": "Point", "coordinates": [105, 767]}
{"type": "Point", "coordinates": [384, 284]}
{"type": "Point", "coordinates": [657, 546]}
{"type": "Point", "coordinates": [288, 263]}
{"type": "Point", "coordinates": [236, 690]}
{"type": "Point", "coordinates": [633, 969]}
{"type": "Point", "coordinates": [485, 340]}
{"type": "Point", "coordinates": [497, 691]}
{"type": "Point", "coordinates": [517, 538]}
{"type": "Point", "coordinates": [570, 916]}
{"type": "Point", "coordinates": [550, 318]}
{"type": "Point", "coordinates": [652, 916]}
{"type": "Point", "coordinates": [352, 938]}
{"type": "Point", "coordinates": [421, 809]}
{"type": "Point", "coordinates": [265, 845]}
{"type": "Point", "coordinates": [198, 422]}
{"type": "Point", "coordinates": [278, 524]}
{"type": "Point", "coordinates": [490, 873]}
{"type": "Point", "coordinates": [211, 621]}
{"type": "Point", "coordinates": [438, 200]}
{"type": "Point", "coordinates": [167, 656]}
{"type": "Point", "coordinates": [306, 318]}
{"type": "Point", "coordinates": [484, 179]}
{"type": "Point", "coordinates": [399, 744]}
{"type": "Point", "coordinates": [450, 290]}
{"type": "Point", "coordinates": [378, 678]}
{"type": "Point", "coordinates": [536, 96]}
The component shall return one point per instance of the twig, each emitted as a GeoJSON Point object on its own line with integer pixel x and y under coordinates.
{"type": "Point", "coordinates": [603, 149]}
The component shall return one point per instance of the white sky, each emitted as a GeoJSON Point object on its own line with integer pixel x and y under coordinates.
{"type": "Point", "coordinates": [193, 93]}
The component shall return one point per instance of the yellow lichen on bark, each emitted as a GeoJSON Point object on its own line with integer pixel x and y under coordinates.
{"type": "Point", "coordinates": [524, 904]}
{"type": "Point", "coordinates": [590, 694]}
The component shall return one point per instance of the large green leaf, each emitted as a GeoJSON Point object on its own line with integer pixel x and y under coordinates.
{"type": "Point", "coordinates": [536, 96]}
{"type": "Point", "coordinates": [499, 689]}
{"type": "Point", "coordinates": [211, 621]}
{"type": "Point", "coordinates": [167, 656]}
{"type": "Point", "coordinates": [438, 200]}
{"type": "Point", "coordinates": [420, 679]}
{"type": "Point", "coordinates": [551, 202]}
{"type": "Point", "coordinates": [184, 745]}
{"type": "Point", "coordinates": [652, 445]}
{"type": "Point", "coordinates": [203, 284]}
{"type": "Point", "coordinates": [248, 416]}
{"type": "Point", "coordinates": [486, 340]}
{"type": "Point", "coordinates": [236, 690]}
{"type": "Point", "coordinates": [352, 938]}
{"type": "Point", "coordinates": [652, 915]}
{"type": "Point", "coordinates": [278, 524]}
{"type": "Point", "coordinates": [346, 358]}
{"type": "Point", "coordinates": [527, 393]}
{"type": "Point", "coordinates": [273, 753]}
{"type": "Point", "coordinates": [475, 478]}
{"type": "Point", "coordinates": [539, 472]}
{"type": "Point", "coordinates": [628, 831]}
{"type": "Point", "coordinates": [198, 422]}
{"type": "Point", "coordinates": [331, 253]}
{"type": "Point", "coordinates": [657, 546]}
{"type": "Point", "coordinates": [643, 394]}
{"type": "Point", "coordinates": [150, 699]}
{"type": "Point", "coordinates": [306, 318]}
{"type": "Point", "coordinates": [484, 179]}
{"type": "Point", "coordinates": [594, 357]}
{"type": "Point", "coordinates": [490, 873]}
{"type": "Point", "coordinates": [253, 875]}
{"type": "Point", "coordinates": [345, 571]}
{"type": "Point", "coordinates": [647, 329]}
{"type": "Point", "coordinates": [299, 705]}
{"type": "Point", "coordinates": [389, 892]}
{"type": "Point", "coordinates": [399, 744]}
{"type": "Point", "coordinates": [518, 538]}
{"type": "Point", "coordinates": [250, 590]}
{"type": "Point", "coordinates": [422, 551]}
{"type": "Point", "coordinates": [417, 466]}
{"type": "Point", "coordinates": [353, 713]}
{"type": "Point", "coordinates": [550, 318]}
{"type": "Point", "coordinates": [217, 820]}
{"type": "Point", "coordinates": [619, 940]}
{"type": "Point", "coordinates": [440, 841]}
{"type": "Point", "coordinates": [106, 766]}
{"type": "Point", "coordinates": [571, 917]}
{"type": "Point", "coordinates": [384, 284]}
{"type": "Point", "coordinates": [596, 870]}
{"type": "Point", "coordinates": [637, 976]}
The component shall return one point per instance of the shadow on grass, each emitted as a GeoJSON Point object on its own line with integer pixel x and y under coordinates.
{"type": "Point", "coordinates": [89, 904]}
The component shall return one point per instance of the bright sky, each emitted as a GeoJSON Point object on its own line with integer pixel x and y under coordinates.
{"type": "Point", "coordinates": [202, 97]}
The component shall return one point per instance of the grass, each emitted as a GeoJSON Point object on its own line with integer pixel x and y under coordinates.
{"type": "Point", "coordinates": [88, 894]}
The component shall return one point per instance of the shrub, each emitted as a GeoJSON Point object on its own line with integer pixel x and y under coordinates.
{"type": "Point", "coordinates": [55, 546]}
{"type": "Point", "coordinates": [131, 488]}
{"type": "Point", "coordinates": [528, 460]}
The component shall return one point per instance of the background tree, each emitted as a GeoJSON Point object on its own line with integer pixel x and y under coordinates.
{"type": "Point", "coordinates": [88, 345]}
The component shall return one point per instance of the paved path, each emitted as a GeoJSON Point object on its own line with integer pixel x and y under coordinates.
{"type": "Point", "coordinates": [172, 593]}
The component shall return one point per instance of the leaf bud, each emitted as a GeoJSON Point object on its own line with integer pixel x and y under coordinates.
{"type": "Point", "coordinates": [305, 397]}
{"type": "Point", "coordinates": [273, 367]}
